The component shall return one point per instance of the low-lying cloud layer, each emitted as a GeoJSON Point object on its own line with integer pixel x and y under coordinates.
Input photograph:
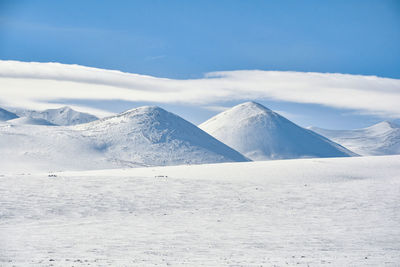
{"type": "Point", "coordinates": [34, 85]}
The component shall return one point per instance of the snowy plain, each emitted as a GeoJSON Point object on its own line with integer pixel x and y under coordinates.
{"type": "Point", "coordinates": [303, 212]}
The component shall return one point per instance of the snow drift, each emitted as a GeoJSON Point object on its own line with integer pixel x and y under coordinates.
{"type": "Point", "coordinates": [261, 134]}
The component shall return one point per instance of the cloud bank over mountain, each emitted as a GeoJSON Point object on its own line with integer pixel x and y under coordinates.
{"type": "Point", "coordinates": [35, 85]}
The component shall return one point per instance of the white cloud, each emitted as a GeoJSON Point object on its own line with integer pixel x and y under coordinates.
{"type": "Point", "coordinates": [29, 84]}
{"type": "Point", "coordinates": [216, 108]}
{"type": "Point", "coordinates": [289, 115]}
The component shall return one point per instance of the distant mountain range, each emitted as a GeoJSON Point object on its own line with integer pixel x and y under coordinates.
{"type": "Point", "coordinates": [64, 139]}
{"type": "Point", "coordinates": [379, 139]}
{"type": "Point", "coordinates": [61, 116]}
{"type": "Point", "coordinates": [261, 134]}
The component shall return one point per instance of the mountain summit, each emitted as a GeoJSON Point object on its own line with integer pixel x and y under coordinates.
{"type": "Point", "coordinates": [260, 134]}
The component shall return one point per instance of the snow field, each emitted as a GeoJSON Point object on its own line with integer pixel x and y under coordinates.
{"type": "Point", "coordinates": [308, 212]}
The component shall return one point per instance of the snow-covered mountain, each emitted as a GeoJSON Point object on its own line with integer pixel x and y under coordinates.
{"type": "Point", "coordinates": [146, 136]}
{"type": "Point", "coordinates": [6, 115]}
{"type": "Point", "coordinates": [60, 116]}
{"type": "Point", "coordinates": [154, 136]}
{"type": "Point", "coordinates": [261, 134]}
{"type": "Point", "coordinates": [379, 139]}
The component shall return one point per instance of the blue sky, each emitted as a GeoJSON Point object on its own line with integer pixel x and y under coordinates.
{"type": "Point", "coordinates": [186, 39]}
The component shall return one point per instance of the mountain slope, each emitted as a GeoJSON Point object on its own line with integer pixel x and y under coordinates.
{"type": "Point", "coordinates": [31, 121]}
{"type": "Point", "coordinates": [260, 134]}
{"type": "Point", "coordinates": [6, 115]}
{"type": "Point", "coordinates": [379, 139]}
{"type": "Point", "coordinates": [61, 116]}
{"type": "Point", "coordinates": [47, 148]}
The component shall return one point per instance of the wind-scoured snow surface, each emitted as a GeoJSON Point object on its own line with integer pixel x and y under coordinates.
{"type": "Point", "coordinates": [6, 115]}
{"type": "Point", "coordinates": [60, 116]}
{"type": "Point", "coordinates": [379, 139]}
{"type": "Point", "coordinates": [304, 212]}
{"type": "Point", "coordinates": [261, 134]}
{"type": "Point", "coordinates": [147, 136]}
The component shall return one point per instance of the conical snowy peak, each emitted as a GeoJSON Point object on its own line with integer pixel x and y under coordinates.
{"type": "Point", "coordinates": [154, 136]}
{"type": "Point", "coordinates": [6, 115]}
{"type": "Point", "coordinates": [259, 133]}
{"type": "Point", "coordinates": [149, 111]}
{"type": "Point", "coordinates": [147, 117]}
{"type": "Point", "coordinates": [379, 139]}
{"type": "Point", "coordinates": [250, 107]}
{"type": "Point", "coordinates": [244, 111]}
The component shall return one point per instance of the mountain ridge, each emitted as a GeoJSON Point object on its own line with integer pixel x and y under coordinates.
{"type": "Point", "coordinates": [63, 116]}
